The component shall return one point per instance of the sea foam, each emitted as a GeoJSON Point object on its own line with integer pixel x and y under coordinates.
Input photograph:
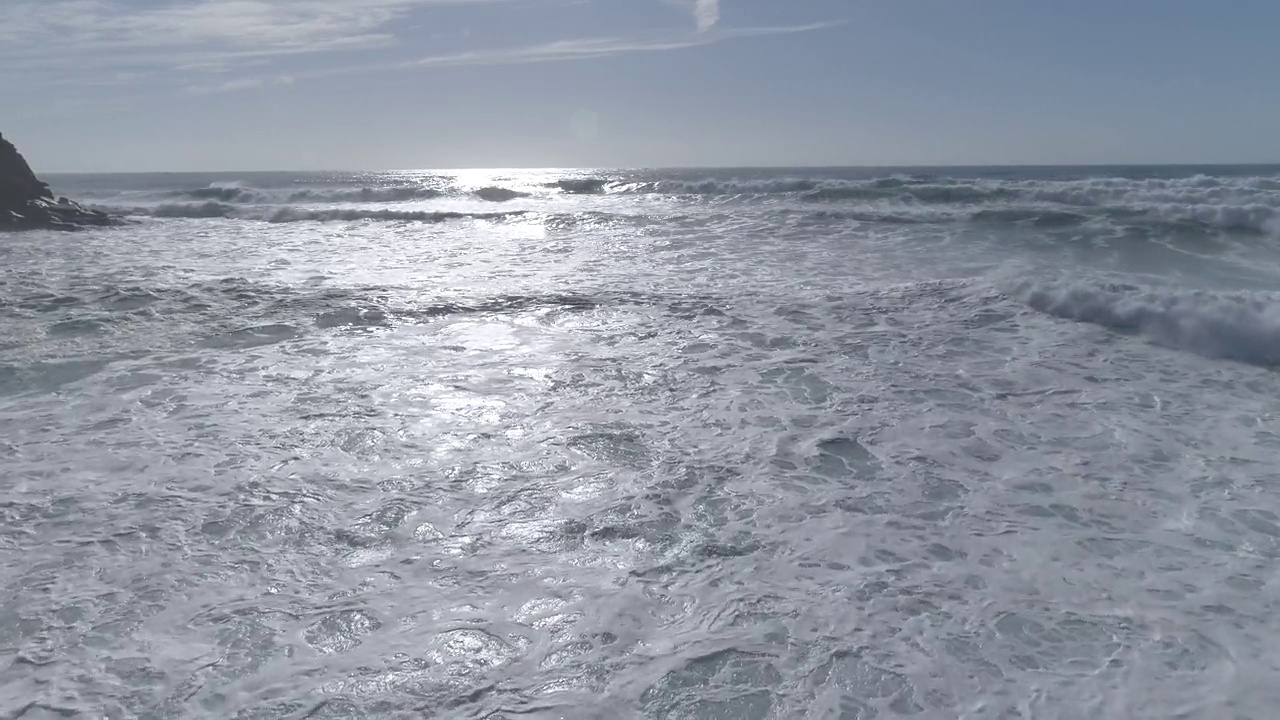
{"type": "Point", "coordinates": [1235, 326]}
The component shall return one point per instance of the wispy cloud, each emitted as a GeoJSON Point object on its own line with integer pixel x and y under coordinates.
{"type": "Point", "coordinates": [241, 84]}
{"type": "Point", "coordinates": [211, 46]}
{"type": "Point", "coordinates": [560, 51]}
{"type": "Point", "coordinates": [603, 47]}
{"type": "Point", "coordinates": [52, 29]}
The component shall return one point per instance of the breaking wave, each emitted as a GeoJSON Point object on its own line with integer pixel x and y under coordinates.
{"type": "Point", "coordinates": [1253, 218]}
{"type": "Point", "coordinates": [940, 194]}
{"type": "Point", "coordinates": [720, 187]}
{"type": "Point", "coordinates": [222, 192]}
{"type": "Point", "coordinates": [289, 214]}
{"type": "Point", "coordinates": [366, 195]}
{"type": "Point", "coordinates": [1228, 219]}
{"type": "Point", "coordinates": [581, 186]}
{"type": "Point", "coordinates": [1242, 204]}
{"type": "Point", "coordinates": [236, 193]}
{"type": "Point", "coordinates": [1235, 326]}
{"type": "Point", "coordinates": [210, 209]}
{"type": "Point", "coordinates": [498, 194]}
{"type": "Point", "coordinates": [1036, 216]}
{"type": "Point", "coordinates": [1197, 203]}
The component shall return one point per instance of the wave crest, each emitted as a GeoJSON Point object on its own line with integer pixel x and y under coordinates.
{"type": "Point", "coordinates": [287, 214]}
{"type": "Point", "coordinates": [581, 186]}
{"type": "Point", "coordinates": [365, 195]}
{"type": "Point", "coordinates": [222, 192]}
{"type": "Point", "coordinates": [239, 194]}
{"type": "Point", "coordinates": [1236, 326]}
{"type": "Point", "coordinates": [1036, 216]}
{"type": "Point", "coordinates": [917, 193]}
{"type": "Point", "coordinates": [498, 194]}
{"type": "Point", "coordinates": [1251, 218]}
{"type": "Point", "coordinates": [210, 209]}
{"type": "Point", "coordinates": [290, 214]}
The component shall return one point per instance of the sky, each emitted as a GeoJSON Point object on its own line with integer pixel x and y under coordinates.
{"type": "Point", "coordinates": [191, 85]}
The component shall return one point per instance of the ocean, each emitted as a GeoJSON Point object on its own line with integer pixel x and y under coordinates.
{"type": "Point", "coordinates": [740, 444]}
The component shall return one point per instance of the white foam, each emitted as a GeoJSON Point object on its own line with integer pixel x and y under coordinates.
{"type": "Point", "coordinates": [1252, 217]}
{"type": "Point", "coordinates": [293, 214]}
{"type": "Point", "coordinates": [1236, 326]}
{"type": "Point", "coordinates": [209, 209]}
{"type": "Point", "coordinates": [240, 193]}
{"type": "Point", "coordinates": [288, 213]}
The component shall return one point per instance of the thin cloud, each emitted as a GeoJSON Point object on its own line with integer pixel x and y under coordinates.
{"type": "Point", "coordinates": [53, 29]}
{"type": "Point", "coordinates": [603, 47]}
{"type": "Point", "coordinates": [561, 51]}
{"type": "Point", "coordinates": [241, 85]}
{"type": "Point", "coordinates": [216, 46]}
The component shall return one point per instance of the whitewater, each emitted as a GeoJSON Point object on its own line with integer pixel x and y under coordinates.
{"type": "Point", "coordinates": [862, 443]}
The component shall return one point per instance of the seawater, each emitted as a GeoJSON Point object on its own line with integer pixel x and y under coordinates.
{"type": "Point", "coordinates": [928, 443]}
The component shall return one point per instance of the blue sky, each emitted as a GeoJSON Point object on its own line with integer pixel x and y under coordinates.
{"type": "Point", "coordinates": [140, 85]}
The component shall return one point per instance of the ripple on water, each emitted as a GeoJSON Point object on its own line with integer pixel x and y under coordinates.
{"type": "Point", "coordinates": [729, 684]}
{"type": "Point", "coordinates": [340, 631]}
{"type": "Point", "coordinates": [48, 377]}
{"type": "Point", "coordinates": [252, 337]}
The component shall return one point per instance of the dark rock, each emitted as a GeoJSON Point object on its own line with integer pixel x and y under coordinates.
{"type": "Point", "coordinates": [27, 204]}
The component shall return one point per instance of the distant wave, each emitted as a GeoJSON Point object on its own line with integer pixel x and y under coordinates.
{"type": "Point", "coordinates": [1037, 216]}
{"type": "Point", "coordinates": [208, 209]}
{"type": "Point", "coordinates": [1236, 326]}
{"type": "Point", "coordinates": [831, 189]}
{"type": "Point", "coordinates": [1249, 204]}
{"type": "Point", "coordinates": [732, 187]}
{"type": "Point", "coordinates": [816, 190]}
{"type": "Point", "coordinates": [367, 195]}
{"type": "Point", "coordinates": [222, 192]}
{"type": "Point", "coordinates": [1088, 192]}
{"type": "Point", "coordinates": [236, 193]}
{"type": "Point", "coordinates": [1200, 203]}
{"type": "Point", "coordinates": [1252, 218]}
{"type": "Point", "coordinates": [498, 194]}
{"type": "Point", "coordinates": [1041, 217]}
{"type": "Point", "coordinates": [1113, 191]}
{"type": "Point", "coordinates": [1245, 219]}
{"type": "Point", "coordinates": [941, 194]}
{"type": "Point", "coordinates": [288, 214]}
{"type": "Point", "coordinates": [1249, 219]}
{"type": "Point", "coordinates": [860, 216]}
{"type": "Point", "coordinates": [581, 186]}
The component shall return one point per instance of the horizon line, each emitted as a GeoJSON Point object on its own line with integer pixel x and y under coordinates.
{"type": "Point", "coordinates": [680, 168]}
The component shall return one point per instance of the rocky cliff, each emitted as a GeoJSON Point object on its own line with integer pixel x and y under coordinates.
{"type": "Point", "coordinates": [27, 204]}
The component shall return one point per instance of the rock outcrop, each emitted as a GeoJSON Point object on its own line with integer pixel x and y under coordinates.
{"type": "Point", "coordinates": [27, 204]}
